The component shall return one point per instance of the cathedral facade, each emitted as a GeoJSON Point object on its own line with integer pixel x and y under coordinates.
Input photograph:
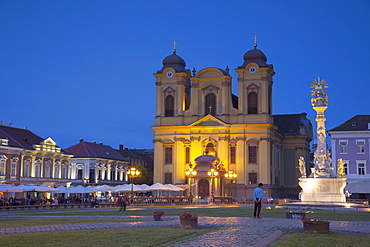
{"type": "Point", "coordinates": [198, 115]}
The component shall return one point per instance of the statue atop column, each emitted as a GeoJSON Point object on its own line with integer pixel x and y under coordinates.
{"type": "Point", "coordinates": [323, 185]}
{"type": "Point", "coordinates": [322, 158]}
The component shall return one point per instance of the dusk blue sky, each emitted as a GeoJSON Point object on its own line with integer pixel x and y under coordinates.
{"type": "Point", "coordinates": [84, 69]}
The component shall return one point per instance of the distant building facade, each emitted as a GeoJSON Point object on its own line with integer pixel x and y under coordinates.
{"type": "Point", "coordinates": [96, 163]}
{"type": "Point", "coordinates": [26, 158]}
{"type": "Point", "coordinates": [197, 114]}
{"type": "Point", "coordinates": [350, 141]}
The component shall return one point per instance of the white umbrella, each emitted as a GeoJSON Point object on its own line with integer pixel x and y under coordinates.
{"type": "Point", "coordinates": [61, 189]}
{"type": "Point", "coordinates": [78, 189]}
{"type": "Point", "coordinates": [158, 186]}
{"type": "Point", "coordinates": [9, 188]}
{"type": "Point", "coordinates": [174, 187]}
{"type": "Point", "coordinates": [102, 188]}
{"type": "Point", "coordinates": [41, 188]}
{"type": "Point", "coordinates": [127, 188]}
{"type": "Point", "coordinates": [144, 187]}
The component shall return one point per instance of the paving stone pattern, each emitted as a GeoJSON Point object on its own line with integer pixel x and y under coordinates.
{"type": "Point", "coordinates": [231, 231]}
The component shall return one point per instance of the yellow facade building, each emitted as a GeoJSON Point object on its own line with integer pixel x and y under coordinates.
{"type": "Point", "coordinates": [197, 115]}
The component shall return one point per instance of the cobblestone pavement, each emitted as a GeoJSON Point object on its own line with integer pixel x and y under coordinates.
{"type": "Point", "coordinates": [230, 231]}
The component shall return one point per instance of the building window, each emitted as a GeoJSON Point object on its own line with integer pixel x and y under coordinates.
{"type": "Point", "coordinates": [252, 178]}
{"type": "Point", "coordinates": [361, 168]}
{"type": "Point", "coordinates": [343, 146]}
{"type": "Point", "coordinates": [13, 170]}
{"type": "Point", "coordinates": [37, 171]}
{"type": "Point", "coordinates": [168, 178]}
{"type": "Point", "coordinates": [2, 169]}
{"type": "Point", "coordinates": [232, 155]}
{"type": "Point", "coordinates": [187, 155]}
{"type": "Point", "coordinates": [113, 175]}
{"type": "Point", "coordinates": [210, 105]}
{"type": "Point", "coordinates": [47, 171]}
{"type": "Point", "coordinates": [79, 173]}
{"type": "Point", "coordinates": [168, 155]}
{"type": "Point", "coordinates": [27, 169]}
{"type": "Point", "coordinates": [210, 149]}
{"type": "Point", "coordinates": [360, 146]}
{"type": "Point", "coordinates": [252, 103]}
{"type": "Point", "coordinates": [64, 172]}
{"type": "Point", "coordinates": [252, 154]}
{"type": "Point", "coordinates": [56, 171]}
{"type": "Point", "coordinates": [169, 106]}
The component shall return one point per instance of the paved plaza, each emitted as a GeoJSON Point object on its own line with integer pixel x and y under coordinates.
{"type": "Point", "coordinates": [231, 231]}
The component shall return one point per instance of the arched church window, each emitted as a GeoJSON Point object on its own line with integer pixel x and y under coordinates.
{"type": "Point", "coordinates": [169, 106]}
{"type": "Point", "coordinates": [210, 149]}
{"type": "Point", "coordinates": [252, 103]}
{"type": "Point", "coordinates": [210, 104]}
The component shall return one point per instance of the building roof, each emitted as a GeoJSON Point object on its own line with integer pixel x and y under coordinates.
{"type": "Point", "coordinates": [138, 154]}
{"type": "Point", "coordinates": [257, 56]}
{"type": "Point", "coordinates": [22, 138]}
{"type": "Point", "coordinates": [356, 123]}
{"type": "Point", "coordinates": [174, 61]}
{"type": "Point", "coordinates": [94, 150]}
{"type": "Point", "coordinates": [290, 123]}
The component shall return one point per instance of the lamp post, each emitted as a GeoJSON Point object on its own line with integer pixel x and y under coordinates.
{"type": "Point", "coordinates": [230, 175]}
{"type": "Point", "coordinates": [190, 173]}
{"type": "Point", "coordinates": [212, 174]}
{"type": "Point", "coordinates": [133, 173]}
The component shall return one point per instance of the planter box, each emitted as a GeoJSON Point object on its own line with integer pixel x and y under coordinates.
{"type": "Point", "coordinates": [316, 228]}
{"type": "Point", "coordinates": [295, 215]}
{"type": "Point", "coordinates": [188, 223]}
{"type": "Point", "coordinates": [158, 217]}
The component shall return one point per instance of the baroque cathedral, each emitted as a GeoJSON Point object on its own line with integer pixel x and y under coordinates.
{"type": "Point", "coordinates": [200, 124]}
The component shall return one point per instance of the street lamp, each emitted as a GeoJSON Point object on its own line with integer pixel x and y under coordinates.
{"type": "Point", "coordinates": [230, 175]}
{"type": "Point", "coordinates": [212, 174]}
{"type": "Point", "coordinates": [190, 173]}
{"type": "Point", "coordinates": [133, 173]}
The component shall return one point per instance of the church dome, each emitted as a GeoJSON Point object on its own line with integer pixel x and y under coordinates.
{"type": "Point", "coordinates": [255, 54]}
{"type": "Point", "coordinates": [174, 61]}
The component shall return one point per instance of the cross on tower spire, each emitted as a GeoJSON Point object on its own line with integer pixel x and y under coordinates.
{"type": "Point", "coordinates": [174, 46]}
{"type": "Point", "coordinates": [255, 41]}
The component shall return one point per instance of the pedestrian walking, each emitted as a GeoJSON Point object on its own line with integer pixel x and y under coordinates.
{"type": "Point", "coordinates": [123, 203]}
{"type": "Point", "coordinates": [257, 197]}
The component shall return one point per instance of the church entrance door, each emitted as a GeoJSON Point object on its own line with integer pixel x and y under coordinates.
{"type": "Point", "coordinates": [203, 188]}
